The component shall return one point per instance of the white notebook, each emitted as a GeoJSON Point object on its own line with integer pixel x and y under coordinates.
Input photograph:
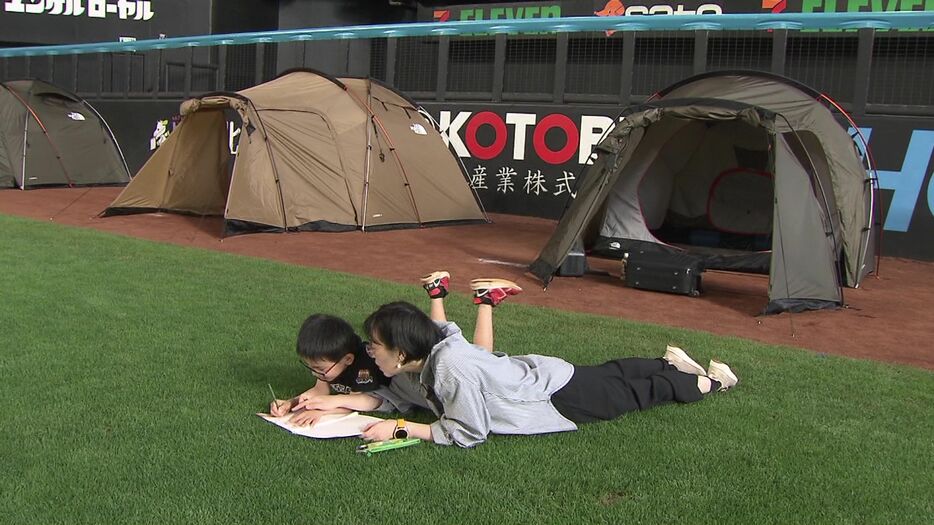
{"type": "Point", "coordinates": [329, 426]}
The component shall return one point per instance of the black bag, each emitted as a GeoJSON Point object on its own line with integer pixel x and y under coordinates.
{"type": "Point", "coordinates": [678, 273]}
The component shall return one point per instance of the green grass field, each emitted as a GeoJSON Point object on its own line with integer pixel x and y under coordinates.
{"type": "Point", "coordinates": [131, 372]}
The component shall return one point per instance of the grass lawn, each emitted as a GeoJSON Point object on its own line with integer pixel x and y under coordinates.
{"type": "Point", "coordinates": [131, 371]}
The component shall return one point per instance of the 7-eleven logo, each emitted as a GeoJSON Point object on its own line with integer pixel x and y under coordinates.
{"type": "Point", "coordinates": [612, 8]}
{"type": "Point", "coordinates": [775, 6]}
{"type": "Point", "coordinates": [443, 15]}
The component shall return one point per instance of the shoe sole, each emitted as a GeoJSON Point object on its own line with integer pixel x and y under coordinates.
{"type": "Point", "coordinates": [487, 284]}
{"type": "Point", "coordinates": [680, 356]}
{"type": "Point", "coordinates": [434, 276]}
{"type": "Point", "coordinates": [722, 370]}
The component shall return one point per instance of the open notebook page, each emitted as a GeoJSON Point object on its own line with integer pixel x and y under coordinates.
{"type": "Point", "coordinates": [329, 426]}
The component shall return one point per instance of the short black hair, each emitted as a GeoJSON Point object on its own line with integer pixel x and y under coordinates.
{"type": "Point", "coordinates": [325, 337]}
{"type": "Point", "coordinates": [404, 327]}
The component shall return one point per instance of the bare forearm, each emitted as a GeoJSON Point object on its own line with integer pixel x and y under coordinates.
{"type": "Point", "coordinates": [420, 431]}
{"type": "Point", "coordinates": [363, 402]}
{"type": "Point", "coordinates": [319, 389]}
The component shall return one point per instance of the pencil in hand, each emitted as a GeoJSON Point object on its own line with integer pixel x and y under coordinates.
{"type": "Point", "coordinates": [275, 399]}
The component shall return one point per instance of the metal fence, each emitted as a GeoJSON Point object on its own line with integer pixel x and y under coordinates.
{"type": "Point", "coordinates": [867, 70]}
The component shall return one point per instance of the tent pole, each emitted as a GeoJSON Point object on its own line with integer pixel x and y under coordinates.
{"type": "Point", "coordinates": [874, 185]}
{"type": "Point", "coordinates": [392, 150]}
{"type": "Point", "coordinates": [232, 171]}
{"type": "Point", "coordinates": [272, 162]}
{"type": "Point", "coordinates": [366, 164]}
{"type": "Point", "coordinates": [22, 185]}
{"type": "Point", "coordinates": [58, 155]}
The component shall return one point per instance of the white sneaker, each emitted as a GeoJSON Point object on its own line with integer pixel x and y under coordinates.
{"type": "Point", "coordinates": [682, 361]}
{"type": "Point", "coordinates": [721, 373]}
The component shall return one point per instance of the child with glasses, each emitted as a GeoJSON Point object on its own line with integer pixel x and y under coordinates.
{"type": "Point", "coordinates": [330, 349]}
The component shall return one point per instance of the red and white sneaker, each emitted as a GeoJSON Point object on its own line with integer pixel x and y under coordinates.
{"type": "Point", "coordinates": [436, 284]}
{"type": "Point", "coordinates": [492, 291]}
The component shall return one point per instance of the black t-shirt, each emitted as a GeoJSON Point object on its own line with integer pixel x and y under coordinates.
{"type": "Point", "coordinates": [361, 376]}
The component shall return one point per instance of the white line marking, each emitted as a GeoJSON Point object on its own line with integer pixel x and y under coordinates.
{"type": "Point", "coordinates": [504, 263]}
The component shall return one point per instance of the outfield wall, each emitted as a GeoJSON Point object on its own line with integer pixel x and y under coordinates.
{"type": "Point", "coordinates": [525, 159]}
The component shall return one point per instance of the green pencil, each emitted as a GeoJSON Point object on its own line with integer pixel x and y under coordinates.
{"type": "Point", "coordinates": [381, 446]}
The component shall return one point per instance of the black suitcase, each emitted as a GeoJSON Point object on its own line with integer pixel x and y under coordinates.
{"type": "Point", "coordinates": [678, 273]}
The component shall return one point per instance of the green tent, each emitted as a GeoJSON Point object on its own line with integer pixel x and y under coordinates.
{"type": "Point", "coordinates": [51, 137]}
{"type": "Point", "coordinates": [745, 187]}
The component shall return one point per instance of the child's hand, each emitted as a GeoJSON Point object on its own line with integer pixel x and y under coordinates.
{"type": "Point", "coordinates": [308, 395]}
{"type": "Point", "coordinates": [381, 431]}
{"type": "Point", "coordinates": [319, 403]}
{"type": "Point", "coordinates": [306, 417]}
{"type": "Point", "coordinates": [280, 407]}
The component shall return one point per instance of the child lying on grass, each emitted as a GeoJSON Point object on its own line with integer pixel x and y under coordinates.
{"type": "Point", "coordinates": [333, 353]}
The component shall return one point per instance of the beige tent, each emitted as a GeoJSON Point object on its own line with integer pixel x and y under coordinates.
{"type": "Point", "coordinates": [315, 153]}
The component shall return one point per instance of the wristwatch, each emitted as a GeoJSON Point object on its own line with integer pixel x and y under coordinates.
{"type": "Point", "coordinates": [401, 431]}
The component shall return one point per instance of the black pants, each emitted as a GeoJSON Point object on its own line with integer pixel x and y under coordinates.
{"type": "Point", "coordinates": [610, 390]}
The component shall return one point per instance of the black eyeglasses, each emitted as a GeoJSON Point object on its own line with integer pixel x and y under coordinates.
{"type": "Point", "coordinates": [320, 375]}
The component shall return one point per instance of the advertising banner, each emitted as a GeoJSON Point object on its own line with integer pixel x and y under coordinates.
{"type": "Point", "coordinates": [71, 21]}
{"type": "Point", "coordinates": [903, 149]}
{"type": "Point", "coordinates": [558, 8]}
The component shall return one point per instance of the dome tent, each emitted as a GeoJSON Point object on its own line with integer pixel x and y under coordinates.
{"type": "Point", "coordinates": [746, 171]}
{"type": "Point", "coordinates": [315, 153]}
{"type": "Point", "coordinates": [52, 137]}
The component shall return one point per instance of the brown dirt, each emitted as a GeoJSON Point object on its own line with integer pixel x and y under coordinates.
{"type": "Point", "coordinates": [888, 319]}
